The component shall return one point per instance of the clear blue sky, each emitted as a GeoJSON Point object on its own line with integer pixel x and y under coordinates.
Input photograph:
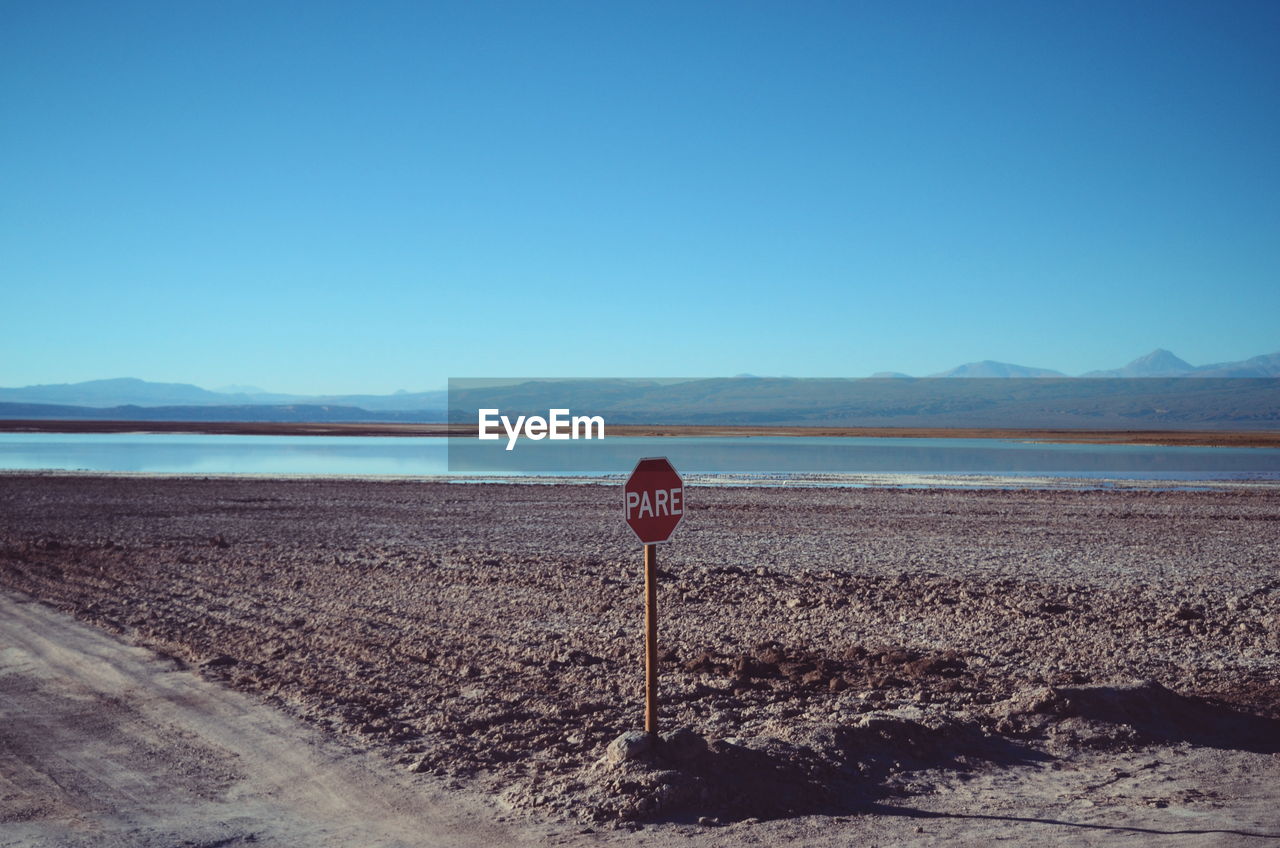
{"type": "Point", "coordinates": [318, 197]}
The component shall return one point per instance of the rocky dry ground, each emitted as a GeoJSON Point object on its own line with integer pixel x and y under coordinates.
{"type": "Point", "coordinates": [823, 649]}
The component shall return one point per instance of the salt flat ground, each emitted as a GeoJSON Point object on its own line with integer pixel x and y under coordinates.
{"type": "Point", "coordinates": [336, 663]}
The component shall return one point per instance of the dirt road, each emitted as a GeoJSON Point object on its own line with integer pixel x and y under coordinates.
{"type": "Point", "coordinates": [105, 744]}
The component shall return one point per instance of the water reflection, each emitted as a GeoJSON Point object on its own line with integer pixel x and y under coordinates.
{"type": "Point", "coordinates": [359, 455]}
{"type": "Point", "coordinates": [169, 453]}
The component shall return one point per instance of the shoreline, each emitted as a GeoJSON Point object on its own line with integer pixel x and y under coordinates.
{"type": "Point", "coordinates": [1168, 438]}
{"type": "Point", "coordinates": [907, 480]}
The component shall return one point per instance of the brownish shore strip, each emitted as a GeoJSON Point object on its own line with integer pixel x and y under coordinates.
{"type": "Point", "coordinates": [1203, 438]}
{"type": "Point", "coordinates": [1189, 438]}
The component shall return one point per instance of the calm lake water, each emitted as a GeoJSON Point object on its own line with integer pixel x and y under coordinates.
{"type": "Point", "coordinates": [349, 455]}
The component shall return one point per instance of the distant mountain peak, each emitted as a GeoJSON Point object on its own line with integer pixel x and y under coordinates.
{"type": "Point", "coordinates": [106, 382]}
{"type": "Point", "coordinates": [1157, 363]}
{"type": "Point", "coordinates": [1161, 359]}
{"type": "Point", "coordinates": [990, 369]}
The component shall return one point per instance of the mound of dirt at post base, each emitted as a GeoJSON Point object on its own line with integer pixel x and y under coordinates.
{"type": "Point", "coordinates": [1131, 714]}
{"type": "Point", "coordinates": [787, 771]}
{"type": "Point", "coordinates": [788, 768]}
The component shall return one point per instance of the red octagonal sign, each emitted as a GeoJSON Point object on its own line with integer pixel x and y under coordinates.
{"type": "Point", "coordinates": [654, 500]}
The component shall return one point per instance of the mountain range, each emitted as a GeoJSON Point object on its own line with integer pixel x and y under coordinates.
{"type": "Point", "coordinates": [1155, 391]}
{"type": "Point", "coordinates": [129, 391]}
{"type": "Point", "coordinates": [1158, 363]}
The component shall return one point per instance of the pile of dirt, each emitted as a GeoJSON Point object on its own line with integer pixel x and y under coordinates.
{"type": "Point", "coordinates": [1131, 715]}
{"type": "Point", "coordinates": [796, 769]}
{"type": "Point", "coordinates": [804, 769]}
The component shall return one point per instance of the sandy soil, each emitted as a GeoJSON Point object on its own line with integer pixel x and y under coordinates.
{"type": "Point", "coordinates": [102, 743]}
{"type": "Point", "coordinates": [1199, 438]}
{"type": "Point", "coordinates": [893, 666]}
